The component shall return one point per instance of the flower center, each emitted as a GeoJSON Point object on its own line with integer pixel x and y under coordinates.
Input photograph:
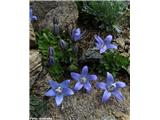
{"type": "Point", "coordinates": [59, 89]}
{"type": "Point", "coordinates": [104, 46]}
{"type": "Point", "coordinates": [111, 87]}
{"type": "Point", "coordinates": [83, 79]}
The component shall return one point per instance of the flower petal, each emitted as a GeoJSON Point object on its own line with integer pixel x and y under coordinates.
{"type": "Point", "coordinates": [75, 76]}
{"type": "Point", "coordinates": [34, 17]}
{"type": "Point", "coordinates": [53, 84]}
{"type": "Point", "coordinates": [98, 45]}
{"type": "Point", "coordinates": [77, 37]}
{"type": "Point", "coordinates": [118, 95]}
{"type": "Point", "coordinates": [77, 32]}
{"type": "Point", "coordinates": [65, 83]}
{"type": "Point", "coordinates": [78, 86]}
{"type": "Point", "coordinates": [120, 84]}
{"type": "Point", "coordinates": [99, 40]}
{"type": "Point", "coordinates": [103, 49]}
{"type": "Point", "coordinates": [111, 46]}
{"type": "Point", "coordinates": [50, 93]}
{"type": "Point", "coordinates": [88, 87]}
{"type": "Point", "coordinates": [84, 70]}
{"type": "Point", "coordinates": [59, 99]}
{"type": "Point", "coordinates": [108, 39]}
{"type": "Point", "coordinates": [101, 85]}
{"type": "Point", "coordinates": [106, 96]}
{"type": "Point", "coordinates": [109, 78]}
{"type": "Point", "coordinates": [92, 77]}
{"type": "Point", "coordinates": [68, 91]}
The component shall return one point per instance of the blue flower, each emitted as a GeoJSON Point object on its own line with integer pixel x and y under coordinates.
{"type": "Point", "coordinates": [76, 34]}
{"type": "Point", "coordinates": [83, 79]}
{"type": "Point", "coordinates": [59, 90]}
{"type": "Point", "coordinates": [105, 44]}
{"type": "Point", "coordinates": [51, 55]}
{"type": "Point", "coordinates": [32, 17]}
{"type": "Point", "coordinates": [111, 88]}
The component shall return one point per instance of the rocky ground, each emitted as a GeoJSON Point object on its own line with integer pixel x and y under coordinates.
{"type": "Point", "coordinates": [81, 106]}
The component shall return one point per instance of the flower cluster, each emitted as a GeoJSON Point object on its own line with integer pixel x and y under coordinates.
{"type": "Point", "coordinates": [59, 90]}
{"type": "Point", "coordinates": [83, 79]}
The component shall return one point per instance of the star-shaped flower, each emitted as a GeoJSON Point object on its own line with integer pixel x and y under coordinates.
{"type": "Point", "coordinates": [111, 88]}
{"type": "Point", "coordinates": [59, 90]}
{"type": "Point", "coordinates": [105, 44]}
{"type": "Point", "coordinates": [83, 79]}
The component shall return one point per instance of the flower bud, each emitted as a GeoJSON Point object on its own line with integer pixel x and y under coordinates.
{"type": "Point", "coordinates": [51, 60]}
{"type": "Point", "coordinates": [63, 44]}
{"type": "Point", "coordinates": [50, 51]}
{"type": "Point", "coordinates": [56, 29]}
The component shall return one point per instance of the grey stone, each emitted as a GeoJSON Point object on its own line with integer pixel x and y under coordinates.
{"type": "Point", "coordinates": [90, 55]}
{"type": "Point", "coordinates": [41, 8]}
{"type": "Point", "coordinates": [62, 14]}
{"type": "Point", "coordinates": [108, 118]}
{"type": "Point", "coordinates": [123, 46]}
{"type": "Point", "coordinates": [32, 37]}
{"type": "Point", "coordinates": [35, 66]}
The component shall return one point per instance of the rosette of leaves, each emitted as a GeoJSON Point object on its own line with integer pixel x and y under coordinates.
{"type": "Point", "coordinates": [114, 63]}
{"type": "Point", "coordinates": [106, 13]}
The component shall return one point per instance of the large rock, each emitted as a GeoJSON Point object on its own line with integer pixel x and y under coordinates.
{"type": "Point", "coordinates": [41, 8]}
{"type": "Point", "coordinates": [35, 66]}
{"type": "Point", "coordinates": [90, 55]}
{"type": "Point", "coordinates": [52, 14]}
{"type": "Point", "coordinates": [32, 37]}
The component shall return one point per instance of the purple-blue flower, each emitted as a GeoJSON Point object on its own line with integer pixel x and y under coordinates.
{"type": "Point", "coordinates": [51, 55]}
{"type": "Point", "coordinates": [59, 90]}
{"type": "Point", "coordinates": [111, 88]}
{"type": "Point", "coordinates": [31, 16]}
{"type": "Point", "coordinates": [76, 34]}
{"type": "Point", "coordinates": [105, 44]}
{"type": "Point", "coordinates": [83, 79]}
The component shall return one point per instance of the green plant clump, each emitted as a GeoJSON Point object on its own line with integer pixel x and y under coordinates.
{"type": "Point", "coordinates": [106, 12]}
{"type": "Point", "coordinates": [114, 62]}
{"type": "Point", "coordinates": [64, 59]}
{"type": "Point", "coordinates": [38, 107]}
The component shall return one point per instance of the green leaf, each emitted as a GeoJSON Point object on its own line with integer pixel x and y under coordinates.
{"type": "Point", "coordinates": [113, 62]}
